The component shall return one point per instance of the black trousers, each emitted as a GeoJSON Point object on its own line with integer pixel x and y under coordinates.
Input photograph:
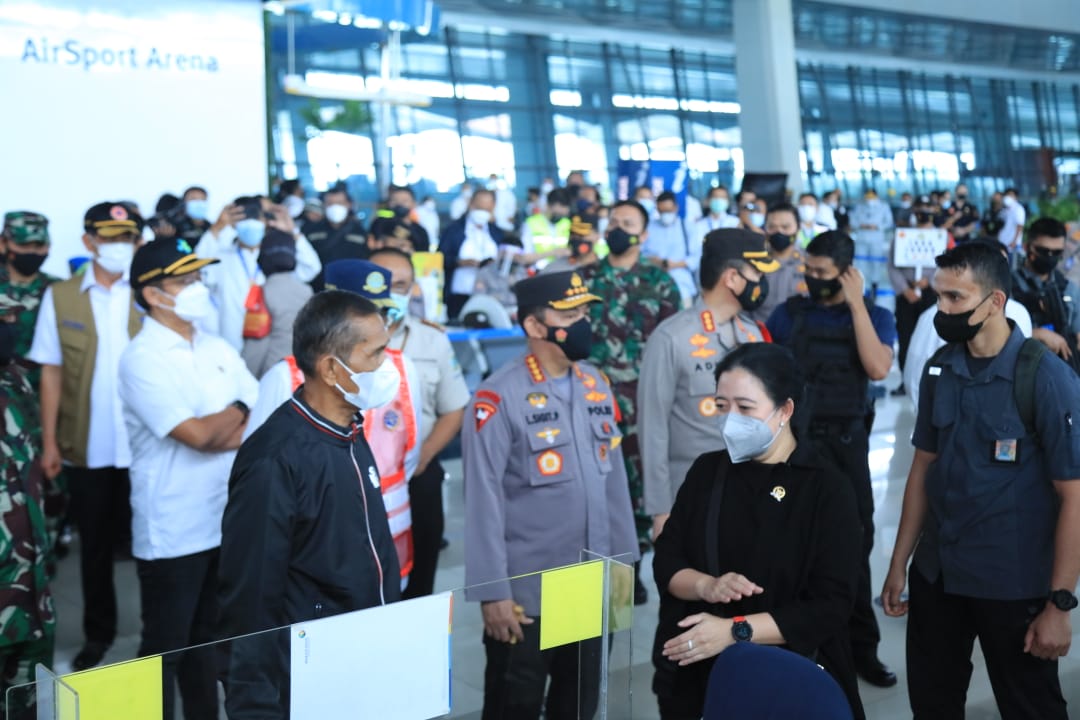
{"type": "Point", "coordinates": [428, 523]}
{"type": "Point", "coordinates": [941, 632]}
{"type": "Point", "coordinates": [846, 445]}
{"type": "Point", "coordinates": [101, 509]}
{"type": "Point", "coordinates": [179, 610]}
{"type": "Point", "coordinates": [516, 675]}
{"type": "Point", "coordinates": [907, 316]}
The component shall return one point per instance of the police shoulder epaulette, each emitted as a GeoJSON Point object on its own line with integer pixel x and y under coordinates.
{"type": "Point", "coordinates": [431, 324]}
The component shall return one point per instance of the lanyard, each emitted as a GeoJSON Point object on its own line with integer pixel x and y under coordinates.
{"type": "Point", "coordinates": [251, 275]}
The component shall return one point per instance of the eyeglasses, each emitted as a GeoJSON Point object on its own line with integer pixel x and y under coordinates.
{"type": "Point", "coordinates": [1048, 252]}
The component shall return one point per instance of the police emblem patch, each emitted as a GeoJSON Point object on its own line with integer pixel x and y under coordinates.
{"type": "Point", "coordinates": [537, 400]}
{"type": "Point", "coordinates": [549, 463]}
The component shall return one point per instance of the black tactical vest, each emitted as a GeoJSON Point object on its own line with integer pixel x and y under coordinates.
{"type": "Point", "coordinates": [837, 386]}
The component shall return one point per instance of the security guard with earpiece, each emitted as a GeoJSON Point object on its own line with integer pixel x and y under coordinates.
{"type": "Point", "coordinates": [544, 480]}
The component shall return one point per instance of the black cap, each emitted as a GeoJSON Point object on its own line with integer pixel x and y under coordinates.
{"type": "Point", "coordinates": [739, 244]}
{"type": "Point", "coordinates": [165, 257]}
{"type": "Point", "coordinates": [392, 227]}
{"type": "Point", "coordinates": [561, 291]}
{"type": "Point", "coordinates": [109, 219]}
{"type": "Point", "coordinates": [277, 253]}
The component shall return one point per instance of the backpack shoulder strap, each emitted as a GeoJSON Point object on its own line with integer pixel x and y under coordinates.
{"type": "Point", "coordinates": [1027, 367]}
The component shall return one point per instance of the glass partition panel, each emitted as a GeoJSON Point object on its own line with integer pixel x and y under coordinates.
{"type": "Point", "coordinates": [425, 658]}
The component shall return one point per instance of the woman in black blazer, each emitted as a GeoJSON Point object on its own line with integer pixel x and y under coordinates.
{"type": "Point", "coordinates": [762, 544]}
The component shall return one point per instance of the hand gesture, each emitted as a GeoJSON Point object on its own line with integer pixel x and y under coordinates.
{"type": "Point", "coordinates": [281, 219]}
{"type": "Point", "coordinates": [851, 281]}
{"type": "Point", "coordinates": [51, 461]}
{"type": "Point", "coordinates": [729, 587]}
{"type": "Point", "coordinates": [707, 636]}
{"type": "Point", "coordinates": [503, 620]}
{"type": "Point", "coordinates": [1056, 343]}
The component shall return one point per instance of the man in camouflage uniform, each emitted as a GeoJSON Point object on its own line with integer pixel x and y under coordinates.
{"type": "Point", "coordinates": [24, 244]}
{"type": "Point", "coordinates": [27, 619]}
{"type": "Point", "coordinates": [637, 297]}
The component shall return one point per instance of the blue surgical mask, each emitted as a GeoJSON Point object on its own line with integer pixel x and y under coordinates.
{"type": "Point", "coordinates": [197, 209]}
{"type": "Point", "coordinates": [746, 437]}
{"type": "Point", "coordinates": [649, 205]}
{"type": "Point", "coordinates": [719, 205]}
{"type": "Point", "coordinates": [757, 219]}
{"type": "Point", "coordinates": [250, 232]}
{"type": "Point", "coordinates": [400, 309]}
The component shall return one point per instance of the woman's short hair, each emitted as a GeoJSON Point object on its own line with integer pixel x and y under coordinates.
{"type": "Point", "coordinates": [773, 365]}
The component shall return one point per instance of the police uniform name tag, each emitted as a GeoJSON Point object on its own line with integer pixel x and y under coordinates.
{"type": "Point", "coordinates": [1006, 451]}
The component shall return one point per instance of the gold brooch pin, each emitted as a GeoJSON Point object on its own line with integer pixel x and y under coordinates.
{"type": "Point", "coordinates": [778, 493]}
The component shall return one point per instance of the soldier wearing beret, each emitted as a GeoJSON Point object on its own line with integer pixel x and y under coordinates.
{"type": "Point", "coordinates": [544, 480]}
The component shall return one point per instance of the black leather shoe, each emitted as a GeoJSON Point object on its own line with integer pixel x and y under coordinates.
{"type": "Point", "coordinates": [90, 656]}
{"type": "Point", "coordinates": [899, 392]}
{"type": "Point", "coordinates": [874, 672]}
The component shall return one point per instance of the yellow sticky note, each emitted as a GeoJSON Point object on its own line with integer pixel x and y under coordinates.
{"type": "Point", "coordinates": [126, 690]}
{"type": "Point", "coordinates": [571, 604]}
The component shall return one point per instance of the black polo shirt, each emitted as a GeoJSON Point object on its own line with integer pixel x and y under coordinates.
{"type": "Point", "coordinates": [989, 531]}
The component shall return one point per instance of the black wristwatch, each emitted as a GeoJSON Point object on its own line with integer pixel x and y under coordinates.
{"type": "Point", "coordinates": [242, 407]}
{"type": "Point", "coordinates": [1064, 600]}
{"type": "Point", "coordinates": [741, 630]}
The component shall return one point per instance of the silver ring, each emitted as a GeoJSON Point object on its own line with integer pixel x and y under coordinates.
{"type": "Point", "coordinates": [690, 644]}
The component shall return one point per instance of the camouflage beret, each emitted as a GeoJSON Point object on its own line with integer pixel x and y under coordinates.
{"type": "Point", "coordinates": [23, 227]}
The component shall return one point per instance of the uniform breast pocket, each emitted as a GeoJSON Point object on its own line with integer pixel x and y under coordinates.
{"type": "Point", "coordinates": [550, 455]}
{"type": "Point", "coordinates": [1003, 437]}
{"type": "Point", "coordinates": [606, 437]}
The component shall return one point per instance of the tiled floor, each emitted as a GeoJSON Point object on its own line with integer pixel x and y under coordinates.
{"type": "Point", "coordinates": [630, 681]}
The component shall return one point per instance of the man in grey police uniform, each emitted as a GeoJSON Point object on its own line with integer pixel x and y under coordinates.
{"type": "Point", "coordinates": [676, 393]}
{"type": "Point", "coordinates": [992, 506]}
{"type": "Point", "coordinates": [544, 480]}
{"type": "Point", "coordinates": [444, 395]}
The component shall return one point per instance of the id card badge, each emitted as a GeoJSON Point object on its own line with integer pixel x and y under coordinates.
{"type": "Point", "coordinates": [1006, 451]}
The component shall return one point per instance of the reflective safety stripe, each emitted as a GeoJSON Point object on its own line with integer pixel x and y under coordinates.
{"type": "Point", "coordinates": [391, 433]}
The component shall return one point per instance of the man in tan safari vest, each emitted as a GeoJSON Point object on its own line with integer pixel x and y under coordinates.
{"type": "Point", "coordinates": [83, 325]}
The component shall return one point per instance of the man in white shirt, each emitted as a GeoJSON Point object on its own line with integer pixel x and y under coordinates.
{"type": "Point", "coordinates": [231, 282]}
{"type": "Point", "coordinates": [460, 205]}
{"type": "Point", "coordinates": [670, 245]}
{"type": "Point", "coordinates": [466, 244]}
{"type": "Point", "coordinates": [83, 326]}
{"type": "Point", "coordinates": [186, 396]}
{"type": "Point", "coordinates": [1013, 216]}
{"type": "Point", "coordinates": [717, 203]}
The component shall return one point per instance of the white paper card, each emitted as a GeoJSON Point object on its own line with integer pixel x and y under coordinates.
{"type": "Point", "coordinates": [391, 663]}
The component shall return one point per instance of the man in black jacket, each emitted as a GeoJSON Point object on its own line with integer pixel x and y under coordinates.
{"type": "Point", "coordinates": [305, 533]}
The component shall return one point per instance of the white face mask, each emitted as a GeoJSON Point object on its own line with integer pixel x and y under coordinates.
{"type": "Point", "coordinates": [197, 209]}
{"type": "Point", "coordinates": [193, 302]}
{"type": "Point", "coordinates": [250, 232]}
{"type": "Point", "coordinates": [115, 257]}
{"type": "Point", "coordinates": [373, 389]}
{"type": "Point", "coordinates": [668, 218]}
{"type": "Point", "coordinates": [746, 437]}
{"type": "Point", "coordinates": [807, 213]}
{"type": "Point", "coordinates": [757, 219]}
{"type": "Point", "coordinates": [294, 206]}
{"type": "Point", "coordinates": [1008, 201]}
{"type": "Point", "coordinates": [336, 213]}
{"type": "Point", "coordinates": [480, 217]}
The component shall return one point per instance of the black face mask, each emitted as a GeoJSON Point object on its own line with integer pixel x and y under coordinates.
{"type": "Point", "coordinates": [922, 218]}
{"type": "Point", "coordinates": [400, 211]}
{"type": "Point", "coordinates": [575, 341]}
{"type": "Point", "coordinates": [26, 263]}
{"type": "Point", "coordinates": [1042, 262]}
{"type": "Point", "coordinates": [780, 242]}
{"type": "Point", "coordinates": [558, 217]}
{"type": "Point", "coordinates": [955, 328]}
{"type": "Point", "coordinates": [961, 198]}
{"type": "Point", "coordinates": [7, 342]}
{"type": "Point", "coordinates": [754, 294]}
{"type": "Point", "coordinates": [619, 241]}
{"type": "Point", "coordinates": [822, 289]}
